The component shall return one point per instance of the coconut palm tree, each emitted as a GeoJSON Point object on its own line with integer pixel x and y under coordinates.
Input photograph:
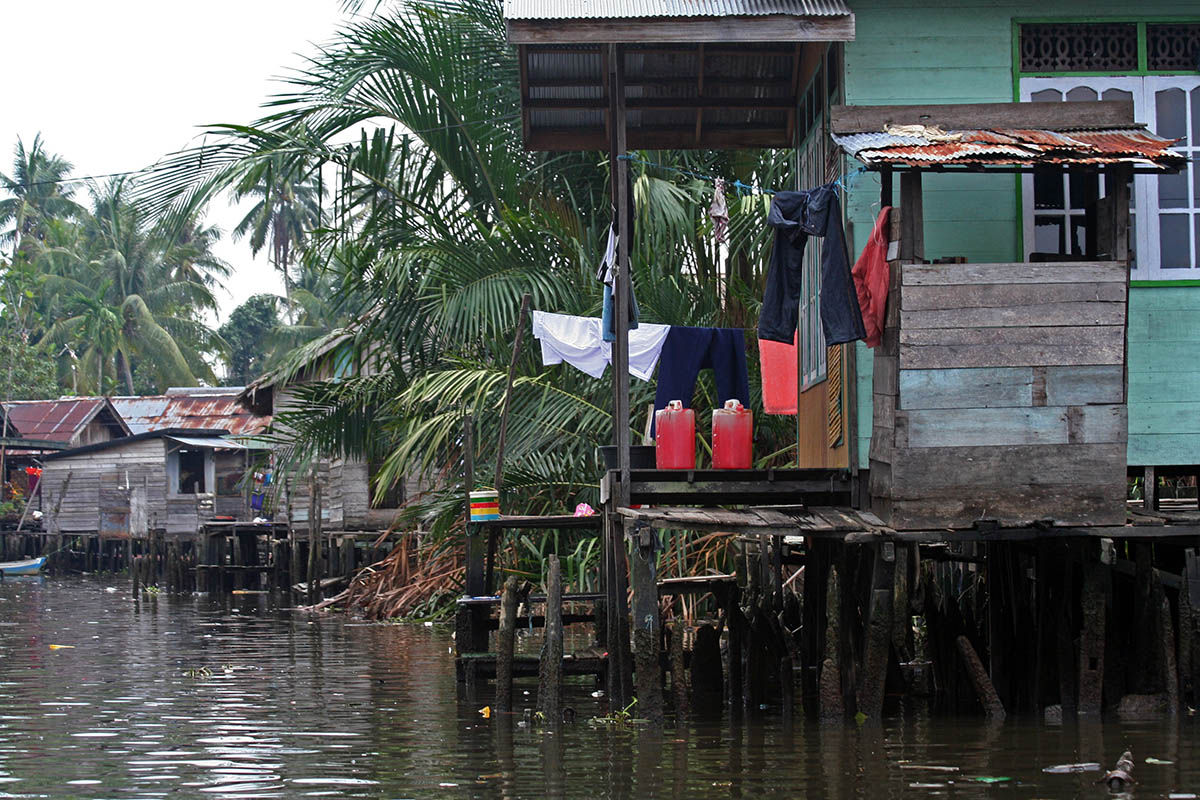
{"type": "Point", "coordinates": [154, 285]}
{"type": "Point", "coordinates": [36, 193]}
{"type": "Point", "coordinates": [286, 210]}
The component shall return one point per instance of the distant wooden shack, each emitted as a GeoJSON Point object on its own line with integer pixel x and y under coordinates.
{"type": "Point", "coordinates": [204, 408]}
{"type": "Point", "coordinates": [349, 500]}
{"type": "Point", "coordinates": [74, 421]}
{"type": "Point", "coordinates": [165, 481]}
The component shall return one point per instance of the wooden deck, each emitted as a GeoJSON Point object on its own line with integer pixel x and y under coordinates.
{"type": "Point", "coordinates": [862, 527]}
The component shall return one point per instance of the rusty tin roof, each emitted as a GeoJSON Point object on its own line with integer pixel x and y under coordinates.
{"type": "Point", "coordinates": [59, 420]}
{"type": "Point", "coordinates": [1014, 148]}
{"type": "Point", "coordinates": [191, 409]}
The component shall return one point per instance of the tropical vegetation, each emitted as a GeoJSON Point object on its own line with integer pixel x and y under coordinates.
{"type": "Point", "coordinates": [438, 222]}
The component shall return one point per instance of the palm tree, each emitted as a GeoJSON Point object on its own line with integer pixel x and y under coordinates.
{"type": "Point", "coordinates": [36, 192]}
{"type": "Point", "coordinates": [434, 236]}
{"type": "Point", "coordinates": [287, 209]}
{"type": "Point", "coordinates": [153, 285]}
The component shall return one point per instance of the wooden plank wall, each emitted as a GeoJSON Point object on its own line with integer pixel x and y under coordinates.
{"type": "Point", "coordinates": [95, 478]}
{"type": "Point", "coordinates": [999, 395]}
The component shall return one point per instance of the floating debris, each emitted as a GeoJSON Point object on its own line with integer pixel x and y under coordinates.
{"type": "Point", "coordinates": [1089, 766]}
{"type": "Point", "coordinates": [1120, 776]}
{"type": "Point", "coordinates": [1153, 760]}
{"type": "Point", "coordinates": [930, 767]}
{"type": "Point", "coordinates": [62, 647]}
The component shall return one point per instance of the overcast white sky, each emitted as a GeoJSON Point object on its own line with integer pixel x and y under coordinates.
{"type": "Point", "coordinates": [113, 86]}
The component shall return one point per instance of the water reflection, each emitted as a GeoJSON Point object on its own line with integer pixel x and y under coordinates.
{"type": "Point", "coordinates": [187, 697]}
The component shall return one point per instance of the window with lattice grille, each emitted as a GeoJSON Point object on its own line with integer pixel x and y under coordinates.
{"type": "Point", "coordinates": [1079, 47]}
{"type": "Point", "coordinates": [1173, 47]}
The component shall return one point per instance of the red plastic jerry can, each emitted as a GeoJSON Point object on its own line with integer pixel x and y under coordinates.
{"type": "Point", "coordinates": [675, 432]}
{"type": "Point", "coordinates": [732, 432]}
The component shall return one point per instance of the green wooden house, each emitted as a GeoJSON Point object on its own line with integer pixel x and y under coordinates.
{"type": "Point", "coordinates": [976, 52]}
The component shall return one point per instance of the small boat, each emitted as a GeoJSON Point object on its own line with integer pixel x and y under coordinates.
{"type": "Point", "coordinates": [30, 566]}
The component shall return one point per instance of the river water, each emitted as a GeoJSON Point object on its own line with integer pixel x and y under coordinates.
{"type": "Point", "coordinates": [105, 696]}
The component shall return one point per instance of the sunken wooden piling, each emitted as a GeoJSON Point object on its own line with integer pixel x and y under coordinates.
{"type": "Point", "coordinates": [980, 681]}
{"type": "Point", "coordinates": [832, 708]}
{"type": "Point", "coordinates": [550, 666]}
{"type": "Point", "coordinates": [870, 692]}
{"type": "Point", "coordinates": [506, 640]}
{"type": "Point", "coordinates": [1167, 658]}
{"type": "Point", "coordinates": [681, 688]}
{"type": "Point", "coordinates": [314, 539]}
{"type": "Point", "coordinates": [646, 637]}
{"type": "Point", "coordinates": [1091, 639]}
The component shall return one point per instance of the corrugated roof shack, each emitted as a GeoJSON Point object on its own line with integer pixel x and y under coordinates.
{"type": "Point", "coordinates": [999, 392]}
{"type": "Point", "coordinates": [162, 481]}
{"type": "Point", "coordinates": [200, 408]}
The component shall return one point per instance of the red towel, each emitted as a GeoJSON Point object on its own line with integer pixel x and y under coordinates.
{"type": "Point", "coordinates": [778, 363]}
{"type": "Point", "coordinates": [871, 278]}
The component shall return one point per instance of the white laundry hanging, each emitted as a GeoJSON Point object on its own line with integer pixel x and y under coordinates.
{"type": "Point", "coordinates": [579, 342]}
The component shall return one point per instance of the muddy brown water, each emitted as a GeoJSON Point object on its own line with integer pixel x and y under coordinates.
{"type": "Point", "coordinates": [191, 697]}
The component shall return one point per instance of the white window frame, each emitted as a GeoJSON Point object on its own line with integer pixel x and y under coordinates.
{"type": "Point", "coordinates": [1146, 211]}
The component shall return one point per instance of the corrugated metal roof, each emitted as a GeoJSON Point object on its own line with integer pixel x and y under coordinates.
{"type": "Point", "coordinates": [1014, 148]}
{"type": "Point", "coordinates": [54, 420]}
{"type": "Point", "coordinates": [646, 9]}
{"type": "Point", "coordinates": [203, 409]}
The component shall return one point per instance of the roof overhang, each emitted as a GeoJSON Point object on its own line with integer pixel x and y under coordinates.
{"type": "Point", "coordinates": [1003, 137]}
{"type": "Point", "coordinates": [207, 442]}
{"type": "Point", "coordinates": [682, 30]}
{"type": "Point", "coordinates": [698, 74]}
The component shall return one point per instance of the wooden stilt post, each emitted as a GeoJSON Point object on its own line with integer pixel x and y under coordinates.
{"type": "Point", "coordinates": [646, 624]}
{"type": "Point", "coordinates": [878, 634]}
{"type": "Point", "coordinates": [832, 708]}
{"type": "Point", "coordinates": [550, 666]}
{"type": "Point", "coordinates": [1167, 660]}
{"type": "Point", "coordinates": [1189, 614]}
{"type": "Point", "coordinates": [980, 681]}
{"type": "Point", "coordinates": [314, 537]}
{"type": "Point", "coordinates": [1091, 637]}
{"type": "Point", "coordinates": [681, 688]}
{"type": "Point", "coordinates": [505, 644]}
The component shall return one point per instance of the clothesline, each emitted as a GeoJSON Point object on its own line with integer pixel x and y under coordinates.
{"type": "Point", "coordinates": [843, 184]}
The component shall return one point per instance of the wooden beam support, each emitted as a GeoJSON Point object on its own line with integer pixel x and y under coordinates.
{"type": "Point", "coordinates": [974, 116]}
{"type": "Point", "coordinates": [646, 638]}
{"type": "Point", "coordinates": [766, 28]}
{"type": "Point", "coordinates": [912, 221]}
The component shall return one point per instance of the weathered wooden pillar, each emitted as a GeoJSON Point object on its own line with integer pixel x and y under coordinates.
{"type": "Point", "coordinates": [980, 681]}
{"type": "Point", "coordinates": [832, 708]}
{"type": "Point", "coordinates": [1167, 660]}
{"type": "Point", "coordinates": [314, 538]}
{"type": "Point", "coordinates": [1091, 636]}
{"type": "Point", "coordinates": [680, 684]}
{"type": "Point", "coordinates": [871, 684]}
{"type": "Point", "coordinates": [1145, 656]}
{"type": "Point", "coordinates": [620, 659]}
{"type": "Point", "coordinates": [646, 636]}
{"type": "Point", "coordinates": [504, 645]}
{"type": "Point", "coordinates": [550, 666]}
{"type": "Point", "coordinates": [1189, 614]}
{"type": "Point", "coordinates": [1149, 489]}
